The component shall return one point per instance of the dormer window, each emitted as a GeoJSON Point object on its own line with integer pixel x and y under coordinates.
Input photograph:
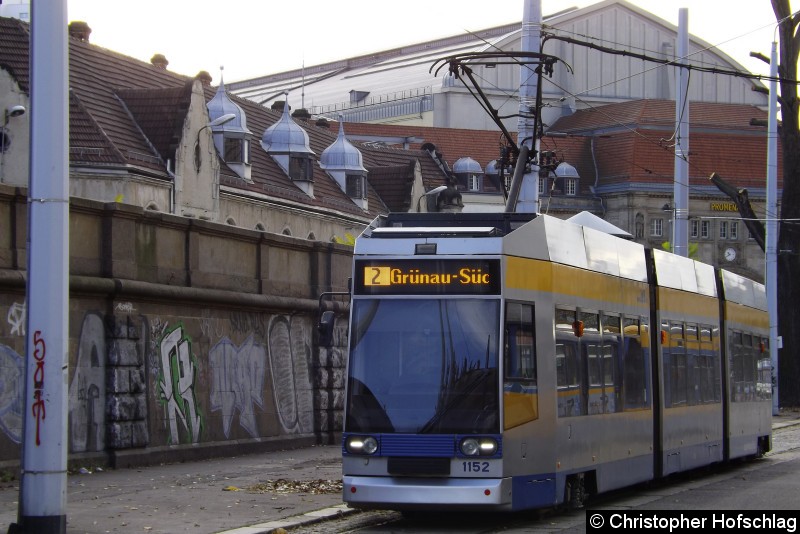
{"type": "Point", "coordinates": [237, 150]}
{"type": "Point", "coordinates": [469, 175]}
{"type": "Point", "coordinates": [287, 143]}
{"type": "Point", "coordinates": [571, 186]}
{"type": "Point", "coordinates": [356, 186]}
{"type": "Point", "coordinates": [231, 138]}
{"type": "Point", "coordinates": [300, 167]}
{"type": "Point", "coordinates": [342, 161]}
{"type": "Point", "coordinates": [569, 175]}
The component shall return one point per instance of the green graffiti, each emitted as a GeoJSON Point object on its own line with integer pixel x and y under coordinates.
{"type": "Point", "coordinates": [176, 383]}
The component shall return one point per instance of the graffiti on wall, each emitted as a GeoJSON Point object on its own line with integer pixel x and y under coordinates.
{"type": "Point", "coordinates": [176, 386]}
{"type": "Point", "coordinates": [38, 410]}
{"type": "Point", "coordinates": [87, 390]}
{"type": "Point", "coordinates": [12, 380]}
{"type": "Point", "coordinates": [237, 382]}
{"type": "Point", "coordinates": [289, 353]}
{"type": "Point", "coordinates": [16, 319]}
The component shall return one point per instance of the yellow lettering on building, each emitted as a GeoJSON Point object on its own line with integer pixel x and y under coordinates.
{"type": "Point", "coordinates": [723, 206]}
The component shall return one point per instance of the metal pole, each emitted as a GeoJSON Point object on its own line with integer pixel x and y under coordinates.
{"type": "Point", "coordinates": [43, 486]}
{"type": "Point", "coordinates": [528, 200]}
{"type": "Point", "coordinates": [771, 274]}
{"type": "Point", "coordinates": [680, 225]}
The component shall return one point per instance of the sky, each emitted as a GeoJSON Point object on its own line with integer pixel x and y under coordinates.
{"type": "Point", "coordinates": [250, 38]}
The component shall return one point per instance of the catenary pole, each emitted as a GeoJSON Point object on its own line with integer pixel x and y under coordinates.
{"type": "Point", "coordinates": [531, 40]}
{"type": "Point", "coordinates": [680, 223]}
{"type": "Point", "coordinates": [43, 486]}
{"type": "Point", "coordinates": [771, 274]}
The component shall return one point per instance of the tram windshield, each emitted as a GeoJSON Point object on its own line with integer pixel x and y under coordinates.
{"type": "Point", "coordinates": [424, 366]}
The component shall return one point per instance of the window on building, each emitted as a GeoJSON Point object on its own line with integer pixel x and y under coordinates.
{"type": "Point", "coordinates": [571, 186]}
{"type": "Point", "coordinates": [734, 230]}
{"type": "Point", "coordinates": [300, 168]}
{"type": "Point", "coordinates": [656, 227]}
{"type": "Point", "coordinates": [542, 185]}
{"type": "Point", "coordinates": [705, 229]}
{"type": "Point", "coordinates": [723, 229]}
{"type": "Point", "coordinates": [695, 228]}
{"type": "Point", "coordinates": [474, 182]}
{"type": "Point", "coordinates": [236, 150]}
{"type": "Point", "coordinates": [639, 226]}
{"type": "Point", "coordinates": [356, 188]}
{"type": "Point", "coordinates": [5, 141]}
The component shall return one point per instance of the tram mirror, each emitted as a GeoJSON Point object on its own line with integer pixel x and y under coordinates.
{"type": "Point", "coordinates": [325, 328]}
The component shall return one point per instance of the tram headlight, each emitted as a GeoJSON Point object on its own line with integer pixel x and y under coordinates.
{"type": "Point", "coordinates": [478, 446]}
{"type": "Point", "coordinates": [361, 445]}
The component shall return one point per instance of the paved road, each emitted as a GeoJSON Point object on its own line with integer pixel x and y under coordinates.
{"type": "Point", "coordinates": [766, 484]}
{"type": "Point", "coordinates": [291, 488]}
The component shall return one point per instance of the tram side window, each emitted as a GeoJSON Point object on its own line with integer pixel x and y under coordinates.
{"type": "Point", "coordinates": [749, 366]}
{"type": "Point", "coordinates": [744, 367]}
{"type": "Point", "coordinates": [634, 368]}
{"type": "Point", "coordinates": [764, 387]}
{"type": "Point", "coordinates": [611, 343]}
{"type": "Point", "coordinates": [569, 381]}
{"type": "Point", "coordinates": [737, 368]}
{"type": "Point", "coordinates": [520, 357]}
{"type": "Point", "coordinates": [520, 393]}
{"type": "Point", "coordinates": [709, 367]}
{"type": "Point", "coordinates": [675, 364]}
{"type": "Point", "coordinates": [695, 366]}
{"type": "Point", "coordinates": [598, 356]}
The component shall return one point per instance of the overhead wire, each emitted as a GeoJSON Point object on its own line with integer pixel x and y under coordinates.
{"type": "Point", "coordinates": [662, 63]}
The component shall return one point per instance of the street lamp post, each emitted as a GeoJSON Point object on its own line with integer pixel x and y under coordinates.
{"type": "Point", "coordinates": [434, 191]}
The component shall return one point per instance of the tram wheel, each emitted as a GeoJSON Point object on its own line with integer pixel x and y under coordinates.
{"type": "Point", "coordinates": [575, 492]}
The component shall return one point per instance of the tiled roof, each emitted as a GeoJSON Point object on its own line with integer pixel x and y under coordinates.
{"type": "Point", "coordinates": [634, 142]}
{"type": "Point", "coordinates": [660, 113]}
{"type": "Point", "coordinates": [393, 184]}
{"type": "Point", "coordinates": [481, 145]}
{"type": "Point", "coordinates": [129, 113]}
{"type": "Point", "coordinates": [14, 38]}
{"type": "Point", "coordinates": [160, 113]}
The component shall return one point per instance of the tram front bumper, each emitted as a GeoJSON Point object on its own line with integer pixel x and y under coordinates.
{"type": "Point", "coordinates": [419, 492]}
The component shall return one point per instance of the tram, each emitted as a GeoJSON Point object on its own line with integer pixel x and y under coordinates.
{"type": "Point", "coordinates": [507, 361]}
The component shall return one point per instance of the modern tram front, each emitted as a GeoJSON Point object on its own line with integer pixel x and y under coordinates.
{"type": "Point", "coordinates": [422, 413]}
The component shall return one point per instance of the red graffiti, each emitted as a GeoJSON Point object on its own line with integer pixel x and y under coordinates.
{"type": "Point", "coordinates": [38, 408]}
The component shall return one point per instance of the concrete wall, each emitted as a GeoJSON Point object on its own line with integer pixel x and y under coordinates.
{"type": "Point", "coordinates": [188, 338]}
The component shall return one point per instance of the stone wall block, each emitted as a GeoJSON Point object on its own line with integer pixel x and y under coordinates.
{"type": "Point", "coordinates": [119, 435]}
{"type": "Point", "coordinates": [121, 407]}
{"type": "Point", "coordinates": [137, 382]}
{"type": "Point", "coordinates": [117, 380]}
{"type": "Point", "coordinates": [117, 326]}
{"type": "Point", "coordinates": [133, 328]}
{"type": "Point", "coordinates": [140, 410]}
{"type": "Point", "coordinates": [124, 352]}
{"type": "Point", "coordinates": [140, 437]}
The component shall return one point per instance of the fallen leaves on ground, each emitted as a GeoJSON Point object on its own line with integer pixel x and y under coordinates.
{"type": "Point", "coordinates": [283, 486]}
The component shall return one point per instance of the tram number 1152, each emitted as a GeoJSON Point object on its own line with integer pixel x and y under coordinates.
{"type": "Point", "coordinates": [475, 467]}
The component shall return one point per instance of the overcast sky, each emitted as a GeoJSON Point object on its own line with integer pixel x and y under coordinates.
{"type": "Point", "coordinates": [254, 37]}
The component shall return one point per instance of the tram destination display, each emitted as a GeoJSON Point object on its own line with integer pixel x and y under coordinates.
{"type": "Point", "coordinates": [427, 277]}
